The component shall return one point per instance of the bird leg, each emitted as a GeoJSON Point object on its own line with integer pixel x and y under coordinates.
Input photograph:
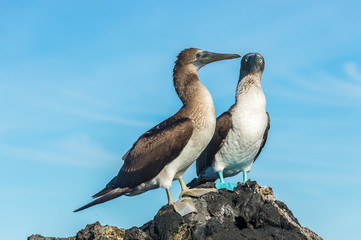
{"type": "Point", "coordinates": [222, 184]}
{"type": "Point", "coordinates": [220, 173]}
{"type": "Point", "coordinates": [194, 192]}
{"type": "Point", "coordinates": [245, 176]}
{"type": "Point", "coordinates": [183, 207]}
{"type": "Point", "coordinates": [169, 195]}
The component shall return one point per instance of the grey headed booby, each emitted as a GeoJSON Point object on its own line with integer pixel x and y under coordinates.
{"type": "Point", "coordinates": [241, 132]}
{"type": "Point", "coordinates": [164, 153]}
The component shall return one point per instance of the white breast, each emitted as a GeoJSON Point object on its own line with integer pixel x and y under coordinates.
{"type": "Point", "coordinates": [249, 121]}
{"type": "Point", "coordinates": [204, 117]}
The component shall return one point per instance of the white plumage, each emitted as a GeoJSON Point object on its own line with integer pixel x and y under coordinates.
{"type": "Point", "coordinates": [249, 122]}
{"type": "Point", "coordinates": [241, 132]}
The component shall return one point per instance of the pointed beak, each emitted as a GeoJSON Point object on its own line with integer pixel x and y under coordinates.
{"type": "Point", "coordinates": [254, 63]}
{"type": "Point", "coordinates": [209, 57]}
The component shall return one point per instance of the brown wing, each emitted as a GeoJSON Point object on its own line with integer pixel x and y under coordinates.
{"type": "Point", "coordinates": [205, 160]}
{"type": "Point", "coordinates": [265, 135]}
{"type": "Point", "coordinates": [152, 151]}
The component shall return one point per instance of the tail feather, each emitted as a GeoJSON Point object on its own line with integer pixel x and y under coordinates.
{"type": "Point", "coordinates": [110, 186]}
{"type": "Point", "coordinates": [103, 192]}
{"type": "Point", "coordinates": [117, 192]}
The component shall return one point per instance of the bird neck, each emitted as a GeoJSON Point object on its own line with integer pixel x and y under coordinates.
{"type": "Point", "coordinates": [247, 84]}
{"type": "Point", "coordinates": [186, 82]}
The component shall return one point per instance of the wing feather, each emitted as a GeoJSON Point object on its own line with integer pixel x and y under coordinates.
{"type": "Point", "coordinates": [152, 151]}
{"type": "Point", "coordinates": [265, 136]}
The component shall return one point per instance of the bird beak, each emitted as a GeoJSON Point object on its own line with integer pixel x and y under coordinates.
{"type": "Point", "coordinates": [255, 63]}
{"type": "Point", "coordinates": [208, 57]}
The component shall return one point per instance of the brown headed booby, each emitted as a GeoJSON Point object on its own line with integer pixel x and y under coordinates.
{"type": "Point", "coordinates": [164, 153]}
{"type": "Point", "coordinates": [241, 132]}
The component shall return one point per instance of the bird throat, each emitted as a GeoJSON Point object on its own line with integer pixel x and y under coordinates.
{"type": "Point", "coordinates": [246, 83]}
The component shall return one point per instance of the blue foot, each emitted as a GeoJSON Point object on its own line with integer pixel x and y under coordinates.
{"type": "Point", "coordinates": [228, 186]}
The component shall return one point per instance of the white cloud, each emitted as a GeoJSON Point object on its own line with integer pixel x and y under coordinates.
{"type": "Point", "coordinates": [352, 71]}
{"type": "Point", "coordinates": [86, 99]}
{"type": "Point", "coordinates": [76, 104]}
{"type": "Point", "coordinates": [76, 150]}
{"type": "Point", "coordinates": [320, 87]}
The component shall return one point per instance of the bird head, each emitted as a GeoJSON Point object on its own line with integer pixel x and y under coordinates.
{"type": "Point", "coordinates": [251, 63]}
{"type": "Point", "coordinates": [200, 58]}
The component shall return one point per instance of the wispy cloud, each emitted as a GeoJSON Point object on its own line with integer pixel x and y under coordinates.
{"type": "Point", "coordinates": [321, 87]}
{"type": "Point", "coordinates": [93, 115]}
{"type": "Point", "coordinates": [85, 98]}
{"type": "Point", "coordinates": [352, 71]}
{"type": "Point", "coordinates": [78, 150]}
{"type": "Point", "coordinates": [71, 102]}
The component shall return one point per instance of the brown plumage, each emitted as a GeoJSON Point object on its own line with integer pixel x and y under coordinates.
{"type": "Point", "coordinates": [163, 153]}
{"type": "Point", "coordinates": [265, 136]}
{"type": "Point", "coordinates": [153, 150]}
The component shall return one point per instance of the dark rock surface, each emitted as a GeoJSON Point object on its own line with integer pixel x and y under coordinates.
{"type": "Point", "coordinates": [251, 212]}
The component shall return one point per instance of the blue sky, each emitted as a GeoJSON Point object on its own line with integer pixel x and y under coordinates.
{"type": "Point", "coordinates": [80, 81]}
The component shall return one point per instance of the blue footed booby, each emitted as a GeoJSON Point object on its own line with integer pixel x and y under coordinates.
{"type": "Point", "coordinates": [241, 132]}
{"type": "Point", "coordinates": [164, 153]}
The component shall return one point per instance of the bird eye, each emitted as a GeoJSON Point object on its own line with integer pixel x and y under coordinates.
{"type": "Point", "coordinates": [246, 60]}
{"type": "Point", "coordinates": [198, 55]}
{"type": "Point", "coordinates": [260, 60]}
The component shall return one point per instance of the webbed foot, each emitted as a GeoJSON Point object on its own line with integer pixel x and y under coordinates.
{"type": "Point", "coordinates": [184, 207]}
{"type": "Point", "coordinates": [228, 186]}
{"type": "Point", "coordinates": [196, 192]}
